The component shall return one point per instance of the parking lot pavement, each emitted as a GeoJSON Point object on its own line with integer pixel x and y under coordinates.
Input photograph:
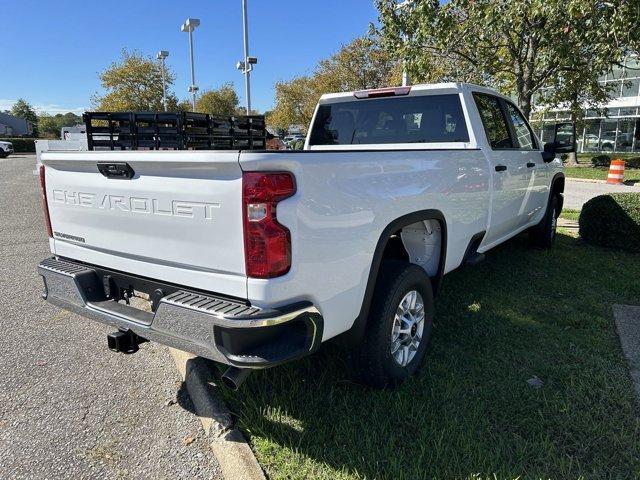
{"type": "Point", "coordinates": [69, 408]}
{"type": "Point", "coordinates": [577, 193]}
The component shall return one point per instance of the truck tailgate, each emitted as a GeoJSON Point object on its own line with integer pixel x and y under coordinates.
{"type": "Point", "coordinates": [178, 219]}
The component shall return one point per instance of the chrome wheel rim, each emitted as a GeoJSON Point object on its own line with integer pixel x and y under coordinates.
{"type": "Point", "coordinates": [408, 327]}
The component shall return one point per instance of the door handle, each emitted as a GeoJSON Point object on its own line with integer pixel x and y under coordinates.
{"type": "Point", "coordinates": [120, 170]}
{"type": "Point", "coordinates": [531, 164]}
{"type": "Point", "coordinates": [501, 168]}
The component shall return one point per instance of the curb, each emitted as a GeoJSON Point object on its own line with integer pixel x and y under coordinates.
{"type": "Point", "coordinates": [627, 320]}
{"type": "Point", "coordinates": [231, 449]}
{"type": "Point", "coordinates": [586, 180]}
{"type": "Point", "coordinates": [602, 182]}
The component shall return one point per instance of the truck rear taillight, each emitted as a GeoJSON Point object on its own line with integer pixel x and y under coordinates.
{"type": "Point", "coordinates": [382, 92]}
{"type": "Point", "coordinates": [267, 244]}
{"type": "Point", "coordinates": [45, 206]}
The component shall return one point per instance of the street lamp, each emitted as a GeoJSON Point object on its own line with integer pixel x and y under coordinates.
{"type": "Point", "coordinates": [162, 54]}
{"type": "Point", "coordinates": [189, 26]}
{"type": "Point", "coordinates": [246, 65]}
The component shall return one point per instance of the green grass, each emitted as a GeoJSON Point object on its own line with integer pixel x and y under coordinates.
{"type": "Point", "coordinates": [470, 414]}
{"type": "Point", "coordinates": [600, 173]}
{"type": "Point", "coordinates": [570, 214]}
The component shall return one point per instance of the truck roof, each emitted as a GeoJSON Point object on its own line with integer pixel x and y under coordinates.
{"type": "Point", "coordinates": [423, 88]}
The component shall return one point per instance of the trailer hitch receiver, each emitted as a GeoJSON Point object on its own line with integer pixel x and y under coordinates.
{"type": "Point", "coordinates": [124, 342]}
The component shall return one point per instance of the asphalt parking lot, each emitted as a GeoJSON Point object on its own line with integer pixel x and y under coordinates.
{"type": "Point", "coordinates": [69, 408]}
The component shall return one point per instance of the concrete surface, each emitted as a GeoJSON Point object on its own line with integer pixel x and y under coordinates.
{"type": "Point", "coordinates": [234, 455]}
{"type": "Point", "coordinates": [577, 193]}
{"type": "Point", "coordinates": [628, 326]}
{"type": "Point", "coordinates": [69, 408]}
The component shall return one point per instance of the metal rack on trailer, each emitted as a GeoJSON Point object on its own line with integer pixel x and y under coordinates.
{"type": "Point", "coordinates": [173, 131]}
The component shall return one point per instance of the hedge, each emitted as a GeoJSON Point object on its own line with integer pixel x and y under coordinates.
{"type": "Point", "coordinates": [612, 221]}
{"type": "Point", "coordinates": [605, 161]}
{"type": "Point", "coordinates": [21, 144]}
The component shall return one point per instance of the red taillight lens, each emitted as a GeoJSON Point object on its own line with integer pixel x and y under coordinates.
{"type": "Point", "coordinates": [45, 207]}
{"type": "Point", "coordinates": [267, 244]}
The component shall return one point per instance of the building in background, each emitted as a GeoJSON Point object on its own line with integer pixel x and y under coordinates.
{"type": "Point", "coordinates": [614, 127]}
{"type": "Point", "coordinates": [14, 127]}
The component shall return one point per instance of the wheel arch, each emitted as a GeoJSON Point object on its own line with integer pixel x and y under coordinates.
{"type": "Point", "coordinates": [356, 332]}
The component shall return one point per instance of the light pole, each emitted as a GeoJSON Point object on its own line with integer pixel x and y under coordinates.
{"type": "Point", "coordinates": [246, 65]}
{"type": "Point", "coordinates": [189, 26]}
{"type": "Point", "coordinates": [405, 73]}
{"type": "Point", "coordinates": [162, 54]}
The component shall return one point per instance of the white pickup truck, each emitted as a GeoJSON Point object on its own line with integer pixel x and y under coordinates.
{"type": "Point", "coordinates": [255, 258]}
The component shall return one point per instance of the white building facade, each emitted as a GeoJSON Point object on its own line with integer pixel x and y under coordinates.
{"type": "Point", "coordinates": [614, 127]}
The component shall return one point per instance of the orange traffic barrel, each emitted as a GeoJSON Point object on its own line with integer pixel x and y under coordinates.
{"type": "Point", "coordinates": [616, 172]}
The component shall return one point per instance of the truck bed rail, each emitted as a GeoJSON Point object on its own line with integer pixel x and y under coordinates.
{"type": "Point", "coordinates": [173, 131]}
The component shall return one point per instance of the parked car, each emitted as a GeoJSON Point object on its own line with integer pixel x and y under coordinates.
{"type": "Point", "coordinates": [255, 258]}
{"type": "Point", "coordinates": [291, 140]}
{"type": "Point", "coordinates": [6, 149]}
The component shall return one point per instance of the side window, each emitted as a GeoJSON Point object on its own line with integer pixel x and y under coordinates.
{"type": "Point", "coordinates": [522, 130]}
{"type": "Point", "coordinates": [495, 125]}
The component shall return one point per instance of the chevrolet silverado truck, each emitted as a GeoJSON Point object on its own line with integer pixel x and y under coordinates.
{"type": "Point", "coordinates": [255, 258]}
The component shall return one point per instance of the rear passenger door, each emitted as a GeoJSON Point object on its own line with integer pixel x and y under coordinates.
{"type": "Point", "coordinates": [529, 154]}
{"type": "Point", "coordinates": [509, 172]}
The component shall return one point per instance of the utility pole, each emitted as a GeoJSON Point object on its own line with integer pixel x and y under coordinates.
{"type": "Point", "coordinates": [189, 26]}
{"type": "Point", "coordinates": [162, 54]}
{"type": "Point", "coordinates": [246, 65]}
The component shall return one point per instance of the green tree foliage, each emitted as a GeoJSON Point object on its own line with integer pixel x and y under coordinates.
{"type": "Point", "coordinates": [358, 65]}
{"type": "Point", "coordinates": [134, 83]}
{"type": "Point", "coordinates": [220, 101]}
{"type": "Point", "coordinates": [50, 125]}
{"type": "Point", "coordinates": [23, 109]}
{"type": "Point", "coordinates": [520, 47]}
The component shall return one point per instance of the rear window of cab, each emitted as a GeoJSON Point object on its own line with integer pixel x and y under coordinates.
{"type": "Point", "coordinates": [411, 119]}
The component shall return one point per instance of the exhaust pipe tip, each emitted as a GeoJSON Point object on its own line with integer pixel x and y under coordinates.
{"type": "Point", "coordinates": [234, 377]}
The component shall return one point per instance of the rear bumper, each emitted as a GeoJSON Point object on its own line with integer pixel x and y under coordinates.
{"type": "Point", "coordinates": [223, 330]}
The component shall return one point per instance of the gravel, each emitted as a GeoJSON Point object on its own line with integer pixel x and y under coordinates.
{"type": "Point", "coordinates": [70, 408]}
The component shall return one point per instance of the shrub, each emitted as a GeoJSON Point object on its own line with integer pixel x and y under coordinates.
{"type": "Point", "coordinates": [601, 161]}
{"type": "Point", "coordinates": [22, 145]}
{"type": "Point", "coordinates": [605, 161]}
{"type": "Point", "coordinates": [612, 221]}
{"type": "Point", "coordinates": [632, 162]}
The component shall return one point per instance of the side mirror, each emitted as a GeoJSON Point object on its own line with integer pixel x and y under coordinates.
{"type": "Point", "coordinates": [564, 141]}
{"type": "Point", "coordinates": [565, 137]}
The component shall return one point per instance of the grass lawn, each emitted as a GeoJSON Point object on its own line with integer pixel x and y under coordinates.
{"type": "Point", "coordinates": [600, 173]}
{"type": "Point", "coordinates": [570, 214]}
{"type": "Point", "coordinates": [470, 414]}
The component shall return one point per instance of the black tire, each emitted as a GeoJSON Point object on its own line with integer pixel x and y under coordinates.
{"type": "Point", "coordinates": [3, 155]}
{"type": "Point", "coordinates": [544, 234]}
{"type": "Point", "coordinates": [372, 361]}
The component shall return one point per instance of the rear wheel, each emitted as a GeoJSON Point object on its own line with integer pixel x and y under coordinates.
{"type": "Point", "coordinates": [398, 329]}
{"type": "Point", "coordinates": [544, 234]}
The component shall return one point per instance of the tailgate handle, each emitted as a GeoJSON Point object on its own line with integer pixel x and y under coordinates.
{"type": "Point", "coordinates": [121, 170]}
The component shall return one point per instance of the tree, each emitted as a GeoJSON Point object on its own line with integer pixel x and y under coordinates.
{"type": "Point", "coordinates": [358, 65]}
{"type": "Point", "coordinates": [23, 109]}
{"type": "Point", "coordinates": [51, 125]}
{"type": "Point", "coordinates": [134, 83]}
{"type": "Point", "coordinates": [220, 101]}
{"type": "Point", "coordinates": [519, 47]}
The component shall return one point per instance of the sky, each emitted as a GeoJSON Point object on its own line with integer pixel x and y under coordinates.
{"type": "Point", "coordinates": [53, 50]}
